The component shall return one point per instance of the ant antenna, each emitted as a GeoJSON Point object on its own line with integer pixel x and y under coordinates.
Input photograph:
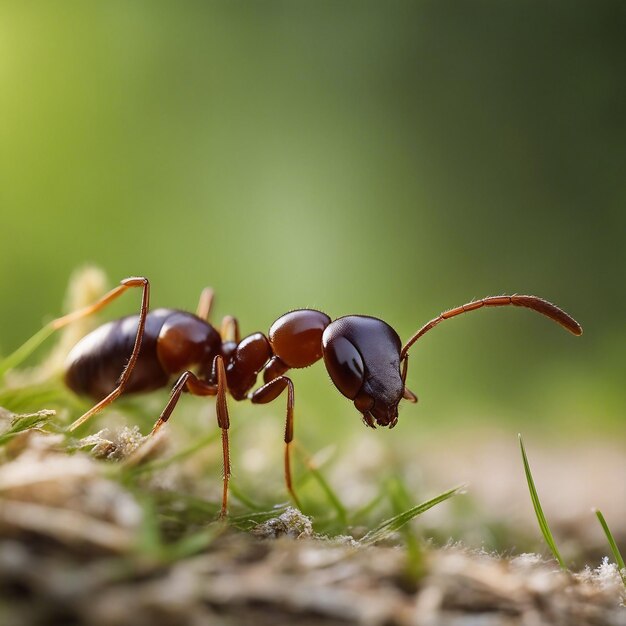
{"type": "Point", "coordinates": [530, 302]}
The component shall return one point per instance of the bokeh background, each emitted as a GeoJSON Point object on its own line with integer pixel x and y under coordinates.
{"type": "Point", "coordinates": [387, 158]}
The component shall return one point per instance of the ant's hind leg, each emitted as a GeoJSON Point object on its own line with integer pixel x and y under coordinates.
{"type": "Point", "coordinates": [268, 392]}
{"type": "Point", "coordinates": [15, 358]}
{"type": "Point", "coordinates": [127, 283]}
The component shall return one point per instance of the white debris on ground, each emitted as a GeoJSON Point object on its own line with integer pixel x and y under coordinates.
{"type": "Point", "coordinates": [124, 444]}
{"type": "Point", "coordinates": [291, 523]}
{"type": "Point", "coordinates": [113, 444]}
{"type": "Point", "coordinates": [606, 576]}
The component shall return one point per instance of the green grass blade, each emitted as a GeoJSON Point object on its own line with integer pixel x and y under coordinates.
{"type": "Point", "coordinates": [393, 524]}
{"type": "Point", "coordinates": [25, 350]}
{"type": "Point", "coordinates": [20, 423]}
{"type": "Point", "coordinates": [357, 516]}
{"type": "Point", "coordinates": [400, 500]}
{"type": "Point", "coordinates": [243, 498]}
{"type": "Point", "coordinates": [541, 518]}
{"type": "Point", "coordinates": [609, 536]}
{"type": "Point", "coordinates": [149, 541]}
{"type": "Point", "coordinates": [31, 398]}
{"type": "Point", "coordinates": [195, 543]}
{"type": "Point", "coordinates": [333, 498]}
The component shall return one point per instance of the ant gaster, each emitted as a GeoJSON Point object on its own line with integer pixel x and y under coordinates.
{"type": "Point", "coordinates": [363, 355]}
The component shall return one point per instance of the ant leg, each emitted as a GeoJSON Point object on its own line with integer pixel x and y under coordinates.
{"type": "Point", "coordinates": [187, 380]}
{"type": "Point", "coordinates": [268, 392]}
{"type": "Point", "coordinates": [223, 422]}
{"type": "Point", "coordinates": [229, 330]}
{"type": "Point", "coordinates": [27, 348]}
{"type": "Point", "coordinates": [205, 304]}
{"type": "Point", "coordinates": [195, 386]}
{"type": "Point", "coordinates": [127, 283]}
{"type": "Point", "coordinates": [275, 367]}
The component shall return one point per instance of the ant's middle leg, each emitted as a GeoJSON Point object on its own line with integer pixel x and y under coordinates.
{"type": "Point", "coordinates": [187, 381]}
{"type": "Point", "coordinates": [268, 392]}
{"type": "Point", "coordinates": [125, 284]}
{"type": "Point", "coordinates": [190, 382]}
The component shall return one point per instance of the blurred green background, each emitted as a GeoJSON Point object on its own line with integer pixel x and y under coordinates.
{"type": "Point", "coordinates": [390, 158]}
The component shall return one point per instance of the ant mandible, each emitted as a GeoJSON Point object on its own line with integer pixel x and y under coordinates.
{"type": "Point", "coordinates": [363, 355]}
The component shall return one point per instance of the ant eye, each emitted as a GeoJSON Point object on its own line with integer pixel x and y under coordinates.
{"type": "Point", "coordinates": [345, 366]}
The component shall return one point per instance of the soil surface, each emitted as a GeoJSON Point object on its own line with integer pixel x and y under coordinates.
{"type": "Point", "coordinates": [77, 546]}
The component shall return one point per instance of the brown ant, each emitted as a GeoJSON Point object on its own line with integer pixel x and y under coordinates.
{"type": "Point", "coordinates": [363, 355]}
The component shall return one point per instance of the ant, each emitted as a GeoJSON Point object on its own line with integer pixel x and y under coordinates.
{"type": "Point", "coordinates": [363, 355]}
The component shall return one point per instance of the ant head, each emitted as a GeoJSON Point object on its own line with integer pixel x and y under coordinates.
{"type": "Point", "coordinates": [362, 356]}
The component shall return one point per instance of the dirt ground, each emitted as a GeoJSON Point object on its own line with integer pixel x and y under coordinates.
{"type": "Point", "coordinates": [75, 549]}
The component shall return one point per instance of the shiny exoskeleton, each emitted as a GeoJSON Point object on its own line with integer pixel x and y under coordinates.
{"type": "Point", "coordinates": [363, 355]}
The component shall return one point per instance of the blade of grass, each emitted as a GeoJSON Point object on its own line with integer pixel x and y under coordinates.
{"type": "Point", "coordinates": [400, 500]}
{"type": "Point", "coordinates": [342, 514]}
{"type": "Point", "coordinates": [30, 398]}
{"type": "Point", "coordinates": [541, 518]}
{"type": "Point", "coordinates": [366, 509]}
{"type": "Point", "coordinates": [25, 350]}
{"type": "Point", "coordinates": [149, 541]}
{"type": "Point", "coordinates": [188, 508]}
{"type": "Point", "coordinates": [333, 499]}
{"type": "Point", "coordinates": [243, 498]}
{"type": "Point", "coordinates": [194, 543]}
{"type": "Point", "coordinates": [21, 423]}
{"type": "Point", "coordinates": [609, 536]}
{"type": "Point", "coordinates": [393, 524]}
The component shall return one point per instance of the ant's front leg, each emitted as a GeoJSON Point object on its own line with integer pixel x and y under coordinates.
{"type": "Point", "coordinates": [268, 392]}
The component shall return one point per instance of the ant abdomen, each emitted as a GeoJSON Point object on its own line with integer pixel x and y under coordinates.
{"type": "Point", "coordinates": [172, 341]}
{"type": "Point", "coordinates": [94, 365]}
